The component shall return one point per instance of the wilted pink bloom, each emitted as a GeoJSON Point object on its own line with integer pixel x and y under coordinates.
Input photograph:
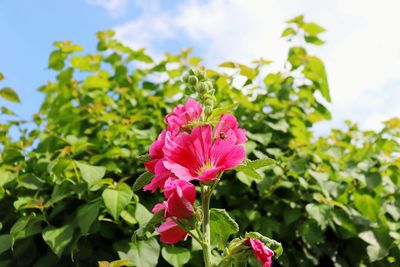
{"type": "Point", "coordinates": [228, 128]}
{"type": "Point", "coordinates": [180, 196]}
{"type": "Point", "coordinates": [183, 115]}
{"type": "Point", "coordinates": [194, 156]}
{"type": "Point", "coordinates": [155, 152]}
{"type": "Point", "coordinates": [170, 232]}
{"type": "Point", "coordinates": [261, 251]}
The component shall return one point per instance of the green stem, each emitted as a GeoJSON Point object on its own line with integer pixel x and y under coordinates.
{"type": "Point", "coordinates": [205, 196]}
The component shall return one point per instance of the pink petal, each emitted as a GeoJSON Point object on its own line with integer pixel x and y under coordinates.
{"type": "Point", "coordinates": [170, 232]}
{"type": "Point", "coordinates": [225, 153]}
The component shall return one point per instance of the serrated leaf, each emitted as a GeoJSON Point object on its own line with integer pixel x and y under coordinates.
{"type": "Point", "coordinates": [91, 174]}
{"type": "Point", "coordinates": [222, 226]}
{"type": "Point", "coordinates": [116, 199]}
{"type": "Point", "coordinates": [142, 180]}
{"type": "Point", "coordinates": [58, 238]}
{"type": "Point", "coordinates": [9, 94]}
{"type": "Point", "coordinates": [176, 256]}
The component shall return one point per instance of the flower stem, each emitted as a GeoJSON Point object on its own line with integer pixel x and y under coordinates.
{"type": "Point", "coordinates": [205, 197]}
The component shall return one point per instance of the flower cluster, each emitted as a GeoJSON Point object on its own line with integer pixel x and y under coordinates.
{"type": "Point", "coordinates": [190, 150]}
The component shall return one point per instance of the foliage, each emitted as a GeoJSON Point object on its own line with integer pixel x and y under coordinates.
{"type": "Point", "coordinates": [66, 183]}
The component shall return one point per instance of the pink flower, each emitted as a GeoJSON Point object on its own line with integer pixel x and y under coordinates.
{"type": "Point", "coordinates": [261, 251]}
{"type": "Point", "coordinates": [194, 157]}
{"type": "Point", "coordinates": [170, 232]}
{"type": "Point", "coordinates": [161, 175]}
{"type": "Point", "coordinates": [183, 115]}
{"type": "Point", "coordinates": [155, 152]}
{"type": "Point", "coordinates": [228, 128]}
{"type": "Point", "coordinates": [180, 196]}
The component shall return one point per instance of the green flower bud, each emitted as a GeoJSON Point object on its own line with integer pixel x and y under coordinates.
{"type": "Point", "coordinates": [207, 111]}
{"type": "Point", "coordinates": [193, 80]}
{"type": "Point", "coordinates": [209, 102]}
{"type": "Point", "coordinates": [202, 88]}
{"type": "Point", "coordinates": [209, 85]}
{"type": "Point", "coordinates": [185, 78]}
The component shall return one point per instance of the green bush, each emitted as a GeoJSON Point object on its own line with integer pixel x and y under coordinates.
{"type": "Point", "coordinates": [66, 196]}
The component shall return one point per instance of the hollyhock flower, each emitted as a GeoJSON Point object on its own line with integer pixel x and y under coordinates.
{"type": "Point", "coordinates": [183, 115]}
{"type": "Point", "coordinates": [180, 196]}
{"type": "Point", "coordinates": [261, 251]}
{"type": "Point", "coordinates": [161, 175]}
{"type": "Point", "coordinates": [228, 128]}
{"type": "Point", "coordinates": [194, 157]}
{"type": "Point", "coordinates": [170, 232]}
{"type": "Point", "coordinates": [160, 207]}
{"type": "Point", "coordinates": [155, 152]}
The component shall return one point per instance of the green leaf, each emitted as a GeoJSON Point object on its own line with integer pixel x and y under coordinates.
{"type": "Point", "coordinates": [320, 213]}
{"type": "Point", "coordinates": [260, 163]}
{"type": "Point", "coordinates": [91, 174]}
{"type": "Point", "coordinates": [315, 71]}
{"type": "Point", "coordinates": [1, 76]}
{"type": "Point", "coordinates": [100, 81]}
{"type": "Point", "coordinates": [280, 125]}
{"type": "Point", "coordinates": [288, 32]}
{"type": "Point", "coordinates": [367, 205]}
{"type": "Point", "coordinates": [142, 180]}
{"type": "Point", "coordinates": [142, 215]}
{"type": "Point", "coordinates": [5, 243]}
{"type": "Point", "coordinates": [228, 64]}
{"type": "Point", "coordinates": [222, 226]}
{"type": "Point", "coordinates": [149, 225]}
{"type": "Point", "coordinates": [31, 181]}
{"type": "Point", "coordinates": [56, 60]}
{"type": "Point", "coordinates": [86, 215]}
{"type": "Point", "coordinates": [7, 111]}
{"type": "Point", "coordinates": [312, 28]}
{"type": "Point", "coordinates": [26, 226]}
{"type": "Point", "coordinates": [58, 238]}
{"type": "Point", "coordinates": [9, 94]}
{"type": "Point", "coordinates": [176, 256]}
{"type": "Point", "coordinates": [217, 112]}
{"type": "Point", "coordinates": [271, 243]}
{"type": "Point", "coordinates": [143, 253]}
{"type": "Point", "coordinates": [116, 199]}
{"type": "Point", "coordinates": [379, 243]}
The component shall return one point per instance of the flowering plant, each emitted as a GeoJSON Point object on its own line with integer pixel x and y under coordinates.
{"type": "Point", "coordinates": [194, 151]}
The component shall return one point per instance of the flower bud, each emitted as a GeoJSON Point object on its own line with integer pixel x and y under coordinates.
{"type": "Point", "coordinates": [202, 88]}
{"type": "Point", "coordinates": [193, 80]}
{"type": "Point", "coordinates": [209, 102]}
{"type": "Point", "coordinates": [209, 85]}
{"type": "Point", "coordinates": [185, 78]}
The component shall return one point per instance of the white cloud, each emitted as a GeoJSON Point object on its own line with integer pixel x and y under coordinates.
{"type": "Point", "coordinates": [362, 53]}
{"type": "Point", "coordinates": [115, 8]}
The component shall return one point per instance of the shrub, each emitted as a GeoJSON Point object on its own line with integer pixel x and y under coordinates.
{"type": "Point", "coordinates": [66, 195]}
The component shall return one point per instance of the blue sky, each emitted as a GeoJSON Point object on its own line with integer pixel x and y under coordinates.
{"type": "Point", "coordinates": [362, 53]}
